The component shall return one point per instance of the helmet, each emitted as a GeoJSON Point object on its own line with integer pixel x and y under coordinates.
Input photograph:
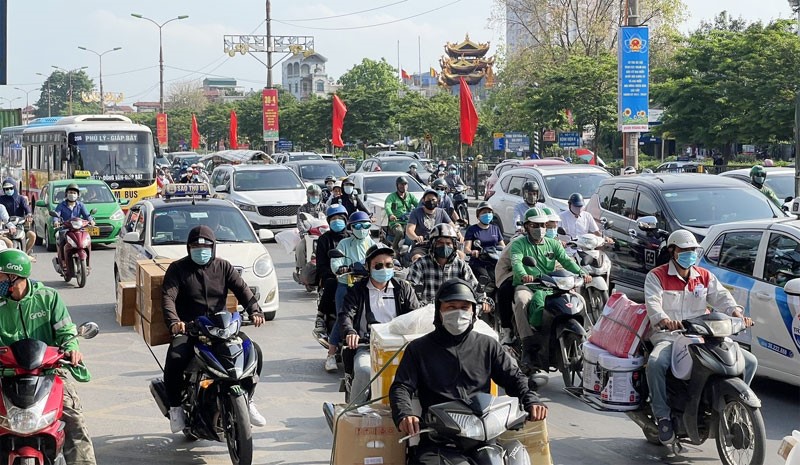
{"type": "Point", "coordinates": [683, 239]}
{"type": "Point", "coordinates": [442, 162]}
{"type": "Point", "coordinates": [73, 187]}
{"type": "Point", "coordinates": [439, 184]}
{"type": "Point", "coordinates": [483, 206]}
{"type": "Point", "coordinates": [551, 214]}
{"type": "Point", "coordinates": [443, 230]}
{"type": "Point", "coordinates": [337, 184]}
{"type": "Point", "coordinates": [358, 217]}
{"type": "Point", "coordinates": [455, 289]}
{"type": "Point", "coordinates": [758, 171]}
{"type": "Point", "coordinates": [575, 199]}
{"type": "Point", "coordinates": [535, 215]}
{"type": "Point", "coordinates": [330, 178]}
{"type": "Point", "coordinates": [430, 191]}
{"type": "Point", "coordinates": [313, 189]}
{"type": "Point", "coordinates": [401, 180]}
{"type": "Point", "coordinates": [413, 164]}
{"type": "Point", "coordinates": [530, 186]}
{"type": "Point", "coordinates": [629, 170]}
{"type": "Point", "coordinates": [334, 210]}
{"type": "Point", "coordinates": [376, 250]}
{"type": "Point", "coordinates": [452, 167]}
{"type": "Point", "coordinates": [8, 182]}
{"type": "Point", "coordinates": [348, 181]}
{"type": "Point", "coordinates": [16, 262]}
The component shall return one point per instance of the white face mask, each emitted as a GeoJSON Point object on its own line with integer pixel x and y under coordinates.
{"type": "Point", "coordinates": [457, 321]}
{"type": "Point", "coordinates": [72, 197]}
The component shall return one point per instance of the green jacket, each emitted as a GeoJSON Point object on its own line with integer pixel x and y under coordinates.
{"type": "Point", "coordinates": [771, 195]}
{"type": "Point", "coordinates": [398, 207]}
{"type": "Point", "coordinates": [546, 254]}
{"type": "Point", "coordinates": [41, 315]}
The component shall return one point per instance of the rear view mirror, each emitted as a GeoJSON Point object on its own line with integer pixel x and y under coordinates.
{"type": "Point", "coordinates": [53, 213]}
{"type": "Point", "coordinates": [335, 253]}
{"type": "Point", "coordinates": [529, 261]}
{"type": "Point", "coordinates": [647, 223]}
{"type": "Point", "coordinates": [221, 188]}
{"type": "Point", "coordinates": [131, 238]}
{"type": "Point", "coordinates": [608, 224]}
{"type": "Point", "coordinates": [265, 235]}
{"type": "Point", "coordinates": [124, 201]}
{"type": "Point", "coordinates": [88, 330]}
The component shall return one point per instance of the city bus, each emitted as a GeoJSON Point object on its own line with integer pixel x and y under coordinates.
{"type": "Point", "coordinates": [11, 146]}
{"type": "Point", "coordinates": [110, 147]}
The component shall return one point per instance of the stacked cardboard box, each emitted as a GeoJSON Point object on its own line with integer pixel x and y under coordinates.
{"type": "Point", "coordinates": [149, 320]}
{"type": "Point", "coordinates": [126, 303]}
{"type": "Point", "coordinates": [535, 439]}
{"type": "Point", "coordinates": [367, 436]}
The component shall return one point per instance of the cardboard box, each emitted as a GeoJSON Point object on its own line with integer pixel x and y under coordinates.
{"type": "Point", "coordinates": [126, 303]}
{"type": "Point", "coordinates": [231, 303]}
{"type": "Point", "coordinates": [154, 332]}
{"type": "Point", "coordinates": [535, 439]}
{"type": "Point", "coordinates": [367, 436]}
{"type": "Point", "coordinates": [149, 278]}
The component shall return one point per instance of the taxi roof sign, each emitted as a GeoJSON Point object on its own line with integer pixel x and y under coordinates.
{"type": "Point", "coordinates": [82, 174]}
{"type": "Point", "coordinates": [195, 189]}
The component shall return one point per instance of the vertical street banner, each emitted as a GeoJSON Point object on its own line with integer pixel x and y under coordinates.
{"type": "Point", "coordinates": [269, 100]}
{"type": "Point", "coordinates": [162, 131]}
{"type": "Point", "coordinates": [634, 79]}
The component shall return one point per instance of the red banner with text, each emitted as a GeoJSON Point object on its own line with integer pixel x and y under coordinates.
{"type": "Point", "coordinates": [269, 102]}
{"type": "Point", "coordinates": [162, 132]}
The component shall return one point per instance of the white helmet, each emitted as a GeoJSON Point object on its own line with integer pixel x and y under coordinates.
{"type": "Point", "coordinates": [683, 239]}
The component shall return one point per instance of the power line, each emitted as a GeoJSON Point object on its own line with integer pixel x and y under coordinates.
{"type": "Point", "coordinates": [210, 74]}
{"type": "Point", "coordinates": [343, 15]}
{"type": "Point", "coordinates": [370, 25]}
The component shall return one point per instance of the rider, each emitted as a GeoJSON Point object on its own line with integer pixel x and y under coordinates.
{"type": "Point", "coordinates": [326, 279]}
{"type": "Point", "coordinates": [530, 199]}
{"type": "Point", "coordinates": [453, 363]}
{"type": "Point", "coordinates": [17, 205]}
{"type": "Point", "coordinates": [452, 178]}
{"type": "Point", "coordinates": [757, 177]}
{"type": "Point", "coordinates": [546, 252]}
{"type": "Point", "coordinates": [629, 171]}
{"type": "Point", "coordinates": [335, 195]}
{"type": "Point", "coordinates": [552, 222]}
{"type": "Point", "coordinates": [354, 249]}
{"type": "Point", "coordinates": [313, 208]}
{"type": "Point", "coordinates": [445, 201]}
{"type": "Point", "coordinates": [398, 205]}
{"type": "Point", "coordinates": [490, 236]}
{"type": "Point", "coordinates": [330, 180]}
{"type": "Point", "coordinates": [676, 291]}
{"type": "Point", "coordinates": [194, 285]}
{"type": "Point", "coordinates": [576, 221]}
{"type": "Point", "coordinates": [378, 299]}
{"type": "Point", "coordinates": [351, 201]}
{"type": "Point", "coordinates": [29, 309]}
{"type": "Point", "coordinates": [70, 208]}
{"type": "Point", "coordinates": [422, 220]}
{"type": "Point", "coordinates": [412, 171]}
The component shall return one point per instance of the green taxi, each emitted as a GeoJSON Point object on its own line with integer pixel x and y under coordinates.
{"type": "Point", "coordinates": [95, 194]}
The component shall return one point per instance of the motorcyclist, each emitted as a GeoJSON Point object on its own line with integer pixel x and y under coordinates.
{"type": "Point", "coordinates": [575, 220]}
{"type": "Point", "coordinates": [453, 363]}
{"type": "Point", "coordinates": [546, 252]}
{"type": "Point", "coordinates": [378, 299]}
{"type": "Point", "coordinates": [193, 286]}
{"type": "Point", "coordinates": [70, 208]}
{"type": "Point", "coordinates": [490, 236]}
{"type": "Point", "coordinates": [422, 220]}
{"type": "Point", "coordinates": [412, 171]}
{"type": "Point", "coordinates": [452, 178]}
{"type": "Point", "coordinates": [336, 194]}
{"type": "Point", "coordinates": [673, 292]}
{"type": "Point", "coordinates": [445, 201]}
{"type": "Point", "coordinates": [354, 249]}
{"type": "Point", "coordinates": [326, 279]}
{"type": "Point", "coordinates": [314, 208]}
{"type": "Point", "coordinates": [185, 175]}
{"type": "Point", "coordinates": [757, 177]}
{"type": "Point", "coordinates": [530, 199]}
{"type": "Point", "coordinates": [350, 199]}
{"type": "Point", "coordinates": [29, 309]}
{"type": "Point", "coordinates": [17, 205]}
{"type": "Point", "coordinates": [4, 217]}
{"type": "Point", "coordinates": [398, 206]}
{"type": "Point", "coordinates": [330, 180]}
{"type": "Point", "coordinates": [504, 280]}
{"type": "Point", "coordinates": [629, 171]}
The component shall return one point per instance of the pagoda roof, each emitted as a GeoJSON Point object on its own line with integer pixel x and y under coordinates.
{"type": "Point", "coordinates": [462, 65]}
{"type": "Point", "coordinates": [452, 79]}
{"type": "Point", "coordinates": [466, 48]}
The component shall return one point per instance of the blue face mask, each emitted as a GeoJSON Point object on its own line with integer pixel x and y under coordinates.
{"type": "Point", "coordinates": [551, 232]}
{"type": "Point", "coordinates": [201, 255]}
{"type": "Point", "coordinates": [9, 192]}
{"type": "Point", "coordinates": [5, 288]}
{"type": "Point", "coordinates": [441, 194]}
{"type": "Point", "coordinates": [383, 275]}
{"type": "Point", "coordinates": [337, 225]}
{"type": "Point", "coordinates": [687, 259]}
{"type": "Point", "coordinates": [486, 218]}
{"type": "Point", "coordinates": [314, 200]}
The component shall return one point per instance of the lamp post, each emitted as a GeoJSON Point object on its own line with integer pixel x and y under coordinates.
{"type": "Point", "coordinates": [160, 54]}
{"type": "Point", "coordinates": [27, 100]}
{"type": "Point", "coordinates": [69, 76]}
{"type": "Point", "coordinates": [795, 4]}
{"type": "Point", "coordinates": [100, 56]}
{"type": "Point", "coordinates": [9, 100]}
{"type": "Point", "coordinates": [49, 95]}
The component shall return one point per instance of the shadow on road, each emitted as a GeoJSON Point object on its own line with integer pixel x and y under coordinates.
{"type": "Point", "coordinates": [156, 449]}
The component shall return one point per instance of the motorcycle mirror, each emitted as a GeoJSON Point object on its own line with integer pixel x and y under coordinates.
{"type": "Point", "coordinates": [476, 244]}
{"type": "Point", "coordinates": [335, 253]}
{"type": "Point", "coordinates": [92, 211]}
{"type": "Point", "coordinates": [88, 330]}
{"type": "Point", "coordinates": [53, 214]}
{"type": "Point", "coordinates": [561, 231]}
{"type": "Point", "coordinates": [608, 224]}
{"type": "Point", "coordinates": [647, 223]}
{"type": "Point", "coordinates": [529, 261]}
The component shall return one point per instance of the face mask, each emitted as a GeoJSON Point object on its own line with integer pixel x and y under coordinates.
{"type": "Point", "coordinates": [348, 190]}
{"type": "Point", "coordinates": [5, 287]}
{"type": "Point", "coordinates": [360, 233]}
{"type": "Point", "coordinates": [72, 197]}
{"type": "Point", "coordinates": [383, 275]}
{"type": "Point", "coordinates": [536, 234]}
{"type": "Point", "coordinates": [575, 210]}
{"type": "Point", "coordinates": [441, 194]}
{"type": "Point", "coordinates": [201, 255]}
{"type": "Point", "coordinates": [453, 172]}
{"type": "Point", "coordinates": [486, 218]}
{"type": "Point", "coordinates": [430, 204]}
{"type": "Point", "coordinates": [9, 192]}
{"type": "Point", "coordinates": [442, 251]}
{"type": "Point", "coordinates": [551, 233]}
{"type": "Point", "coordinates": [313, 200]}
{"type": "Point", "coordinates": [337, 225]}
{"type": "Point", "coordinates": [457, 321]}
{"type": "Point", "coordinates": [687, 259]}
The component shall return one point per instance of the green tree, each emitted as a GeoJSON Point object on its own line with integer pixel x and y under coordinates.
{"type": "Point", "coordinates": [370, 91]}
{"type": "Point", "coordinates": [59, 87]}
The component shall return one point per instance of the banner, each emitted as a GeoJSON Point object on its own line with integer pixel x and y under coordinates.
{"type": "Point", "coordinates": [233, 136]}
{"type": "Point", "coordinates": [339, 112]}
{"type": "Point", "coordinates": [162, 133]}
{"type": "Point", "coordinates": [634, 77]}
{"type": "Point", "coordinates": [269, 100]}
{"type": "Point", "coordinates": [195, 134]}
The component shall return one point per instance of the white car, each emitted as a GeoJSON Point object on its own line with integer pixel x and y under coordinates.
{"type": "Point", "coordinates": [756, 260]}
{"type": "Point", "coordinates": [556, 184]}
{"type": "Point", "coordinates": [268, 195]}
{"type": "Point", "coordinates": [373, 188]}
{"type": "Point", "coordinates": [779, 179]}
{"type": "Point", "coordinates": [159, 228]}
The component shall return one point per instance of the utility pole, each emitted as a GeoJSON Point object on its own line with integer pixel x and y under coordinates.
{"type": "Point", "coordinates": [100, 56]}
{"type": "Point", "coordinates": [270, 144]}
{"type": "Point", "coordinates": [796, 7]}
{"type": "Point", "coordinates": [160, 54]}
{"type": "Point", "coordinates": [69, 76]}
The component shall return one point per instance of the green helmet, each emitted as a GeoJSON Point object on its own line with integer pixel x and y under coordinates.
{"type": "Point", "coordinates": [550, 214]}
{"type": "Point", "coordinates": [16, 262]}
{"type": "Point", "coordinates": [535, 215]}
{"type": "Point", "coordinates": [758, 175]}
{"type": "Point", "coordinates": [73, 187]}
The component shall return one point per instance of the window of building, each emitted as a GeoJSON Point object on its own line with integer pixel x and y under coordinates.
{"type": "Point", "coordinates": [305, 70]}
{"type": "Point", "coordinates": [320, 86]}
{"type": "Point", "coordinates": [296, 69]}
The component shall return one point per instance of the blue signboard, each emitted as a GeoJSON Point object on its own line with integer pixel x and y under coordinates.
{"type": "Point", "coordinates": [634, 79]}
{"type": "Point", "coordinates": [517, 142]}
{"type": "Point", "coordinates": [499, 141]}
{"type": "Point", "coordinates": [284, 145]}
{"type": "Point", "coordinates": [568, 140]}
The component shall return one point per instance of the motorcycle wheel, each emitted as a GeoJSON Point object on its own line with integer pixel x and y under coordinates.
{"type": "Point", "coordinates": [570, 362]}
{"type": "Point", "coordinates": [236, 422]}
{"type": "Point", "coordinates": [463, 212]}
{"type": "Point", "coordinates": [27, 461]}
{"type": "Point", "coordinates": [741, 436]}
{"type": "Point", "coordinates": [80, 271]}
{"type": "Point", "coordinates": [597, 300]}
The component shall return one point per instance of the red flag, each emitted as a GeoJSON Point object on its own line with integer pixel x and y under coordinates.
{"type": "Point", "coordinates": [234, 131]}
{"type": "Point", "coordinates": [405, 75]}
{"type": "Point", "coordinates": [569, 116]}
{"type": "Point", "coordinates": [195, 134]}
{"type": "Point", "coordinates": [339, 110]}
{"type": "Point", "coordinates": [469, 117]}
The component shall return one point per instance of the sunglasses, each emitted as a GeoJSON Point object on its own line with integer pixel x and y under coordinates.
{"type": "Point", "coordinates": [380, 266]}
{"type": "Point", "coordinates": [358, 226]}
{"type": "Point", "coordinates": [8, 189]}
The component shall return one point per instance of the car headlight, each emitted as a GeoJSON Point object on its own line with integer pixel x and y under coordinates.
{"type": "Point", "coordinates": [245, 207]}
{"type": "Point", "coordinates": [263, 266]}
{"type": "Point", "coordinates": [471, 426]}
{"type": "Point", "coordinates": [26, 421]}
{"type": "Point", "coordinates": [117, 215]}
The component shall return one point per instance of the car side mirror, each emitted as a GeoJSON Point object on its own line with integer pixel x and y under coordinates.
{"type": "Point", "coordinates": [132, 238]}
{"type": "Point", "coordinates": [221, 188]}
{"type": "Point", "coordinates": [41, 203]}
{"type": "Point", "coordinates": [792, 287]}
{"type": "Point", "coordinates": [265, 235]}
{"type": "Point", "coordinates": [529, 261]}
{"type": "Point", "coordinates": [124, 201]}
{"type": "Point", "coordinates": [92, 211]}
{"type": "Point", "coordinates": [647, 223]}
{"type": "Point", "coordinates": [335, 253]}
{"type": "Point", "coordinates": [608, 224]}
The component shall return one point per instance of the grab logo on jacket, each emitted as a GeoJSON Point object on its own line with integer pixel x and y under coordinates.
{"type": "Point", "coordinates": [36, 315]}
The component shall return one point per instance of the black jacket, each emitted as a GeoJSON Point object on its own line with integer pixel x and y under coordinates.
{"type": "Point", "coordinates": [356, 315]}
{"type": "Point", "coordinates": [325, 243]}
{"type": "Point", "coordinates": [441, 368]}
{"type": "Point", "coordinates": [351, 202]}
{"type": "Point", "coordinates": [16, 205]}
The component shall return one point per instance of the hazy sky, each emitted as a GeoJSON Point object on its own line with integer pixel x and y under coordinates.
{"type": "Point", "coordinates": [193, 47]}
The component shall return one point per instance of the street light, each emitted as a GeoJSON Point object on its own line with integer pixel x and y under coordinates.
{"type": "Point", "coordinates": [160, 54]}
{"type": "Point", "coordinates": [795, 4]}
{"type": "Point", "coordinates": [69, 75]}
{"type": "Point", "coordinates": [9, 100]}
{"type": "Point", "coordinates": [100, 56]}
{"type": "Point", "coordinates": [27, 93]}
{"type": "Point", "coordinates": [49, 95]}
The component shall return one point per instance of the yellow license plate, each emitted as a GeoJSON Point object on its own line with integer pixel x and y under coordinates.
{"type": "Point", "coordinates": [93, 230]}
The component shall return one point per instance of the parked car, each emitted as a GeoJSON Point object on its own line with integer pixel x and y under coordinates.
{"type": "Point", "coordinates": [373, 188]}
{"type": "Point", "coordinates": [397, 163]}
{"type": "Point", "coordinates": [286, 157]}
{"type": "Point", "coordinates": [755, 260]}
{"type": "Point", "coordinates": [268, 195]}
{"type": "Point", "coordinates": [779, 179]}
{"type": "Point", "coordinates": [159, 228]}
{"type": "Point", "coordinates": [506, 165]}
{"type": "Point", "coordinates": [679, 167]}
{"type": "Point", "coordinates": [674, 201]}
{"type": "Point", "coordinates": [556, 183]}
{"type": "Point", "coordinates": [315, 171]}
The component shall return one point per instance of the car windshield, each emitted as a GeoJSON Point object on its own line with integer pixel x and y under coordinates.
{"type": "Point", "coordinates": [266, 180]}
{"type": "Point", "coordinates": [187, 159]}
{"type": "Point", "coordinates": [305, 156]}
{"type": "Point", "coordinates": [705, 207]}
{"type": "Point", "coordinates": [783, 186]}
{"type": "Point", "coordinates": [321, 171]}
{"type": "Point", "coordinates": [93, 193]}
{"type": "Point", "coordinates": [385, 185]}
{"type": "Point", "coordinates": [387, 164]}
{"type": "Point", "coordinates": [172, 223]}
{"type": "Point", "coordinates": [561, 186]}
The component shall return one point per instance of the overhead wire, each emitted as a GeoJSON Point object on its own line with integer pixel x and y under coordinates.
{"type": "Point", "coordinates": [321, 18]}
{"type": "Point", "coordinates": [370, 25]}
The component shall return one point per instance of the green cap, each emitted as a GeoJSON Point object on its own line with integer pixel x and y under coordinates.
{"type": "Point", "coordinates": [535, 215]}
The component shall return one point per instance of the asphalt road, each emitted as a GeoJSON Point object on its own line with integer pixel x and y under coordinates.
{"type": "Point", "coordinates": [128, 428]}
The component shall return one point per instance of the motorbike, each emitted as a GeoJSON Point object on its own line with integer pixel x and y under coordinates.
{"type": "Point", "coordinates": [461, 202]}
{"type": "Point", "coordinates": [710, 399]}
{"type": "Point", "coordinates": [486, 282]}
{"type": "Point", "coordinates": [18, 238]}
{"type": "Point", "coordinates": [316, 227]}
{"type": "Point", "coordinates": [355, 273]}
{"type": "Point", "coordinates": [596, 264]}
{"type": "Point", "coordinates": [217, 385]}
{"type": "Point", "coordinates": [31, 430]}
{"type": "Point", "coordinates": [73, 259]}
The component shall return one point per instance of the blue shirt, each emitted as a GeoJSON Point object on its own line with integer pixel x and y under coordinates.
{"type": "Point", "coordinates": [65, 213]}
{"type": "Point", "coordinates": [489, 237]}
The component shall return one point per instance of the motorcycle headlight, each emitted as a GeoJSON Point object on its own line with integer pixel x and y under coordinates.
{"type": "Point", "coordinates": [117, 215]}
{"type": "Point", "coordinates": [565, 283]}
{"type": "Point", "coordinates": [224, 333]}
{"type": "Point", "coordinates": [471, 426]}
{"type": "Point", "coordinates": [77, 224]}
{"type": "Point", "coordinates": [720, 328]}
{"type": "Point", "coordinates": [246, 207]}
{"type": "Point", "coordinates": [263, 266]}
{"type": "Point", "coordinates": [494, 423]}
{"type": "Point", "coordinates": [26, 421]}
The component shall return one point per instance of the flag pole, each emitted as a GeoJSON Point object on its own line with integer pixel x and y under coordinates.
{"type": "Point", "coordinates": [419, 59]}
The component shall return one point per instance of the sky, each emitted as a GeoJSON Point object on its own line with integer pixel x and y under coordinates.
{"type": "Point", "coordinates": [193, 47]}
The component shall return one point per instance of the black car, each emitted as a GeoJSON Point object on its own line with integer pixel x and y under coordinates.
{"type": "Point", "coordinates": [315, 171]}
{"type": "Point", "coordinates": [645, 209]}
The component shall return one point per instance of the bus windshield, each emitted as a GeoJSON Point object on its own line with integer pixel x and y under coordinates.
{"type": "Point", "coordinates": [118, 156]}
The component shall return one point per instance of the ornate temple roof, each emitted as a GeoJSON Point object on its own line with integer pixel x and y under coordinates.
{"type": "Point", "coordinates": [466, 48]}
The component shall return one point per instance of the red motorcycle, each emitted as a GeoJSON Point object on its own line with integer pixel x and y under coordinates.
{"type": "Point", "coordinates": [31, 430]}
{"type": "Point", "coordinates": [72, 258]}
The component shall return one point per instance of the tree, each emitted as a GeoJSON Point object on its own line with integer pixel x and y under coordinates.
{"type": "Point", "coordinates": [438, 116]}
{"type": "Point", "coordinates": [58, 84]}
{"type": "Point", "coordinates": [370, 91]}
{"type": "Point", "coordinates": [187, 95]}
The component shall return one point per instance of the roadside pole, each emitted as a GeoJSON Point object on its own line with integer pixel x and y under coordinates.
{"type": "Point", "coordinates": [630, 140]}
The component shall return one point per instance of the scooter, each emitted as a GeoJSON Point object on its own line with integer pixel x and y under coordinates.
{"type": "Point", "coordinates": [315, 228]}
{"type": "Point", "coordinates": [218, 383]}
{"type": "Point", "coordinates": [461, 202]}
{"type": "Point", "coordinates": [73, 259]}
{"type": "Point", "coordinates": [18, 238]}
{"type": "Point", "coordinates": [356, 272]}
{"type": "Point", "coordinates": [596, 264]}
{"type": "Point", "coordinates": [31, 430]}
{"type": "Point", "coordinates": [486, 282]}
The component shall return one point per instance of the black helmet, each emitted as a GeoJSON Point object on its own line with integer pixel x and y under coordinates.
{"type": "Point", "coordinates": [575, 199]}
{"type": "Point", "coordinates": [330, 178]}
{"type": "Point", "coordinates": [73, 187]}
{"type": "Point", "coordinates": [401, 180]}
{"type": "Point", "coordinates": [530, 192]}
{"type": "Point", "coordinates": [455, 289]}
{"type": "Point", "coordinates": [439, 183]}
{"type": "Point", "coordinates": [375, 250]}
{"type": "Point", "coordinates": [530, 186]}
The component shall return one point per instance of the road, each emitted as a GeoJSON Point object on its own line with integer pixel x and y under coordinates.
{"type": "Point", "coordinates": [128, 429]}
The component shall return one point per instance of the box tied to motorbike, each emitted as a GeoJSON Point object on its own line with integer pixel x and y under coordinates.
{"type": "Point", "coordinates": [366, 435]}
{"type": "Point", "coordinates": [621, 327]}
{"type": "Point", "coordinates": [126, 303]}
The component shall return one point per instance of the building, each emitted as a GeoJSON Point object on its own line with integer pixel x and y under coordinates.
{"type": "Point", "coordinates": [222, 90]}
{"type": "Point", "coordinates": [303, 75]}
{"type": "Point", "coordinates": [467, 60]}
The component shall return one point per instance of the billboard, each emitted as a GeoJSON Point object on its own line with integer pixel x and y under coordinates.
{"type": "Point", "coordinates": [269, 100]}
{"type": "Point", "coordinates": [162, 133]}
{"type": "Point", "coordinates": [634, 77]}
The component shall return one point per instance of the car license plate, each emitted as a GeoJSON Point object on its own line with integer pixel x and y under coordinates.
{"type": "Point", "coordinates": [93, 231]}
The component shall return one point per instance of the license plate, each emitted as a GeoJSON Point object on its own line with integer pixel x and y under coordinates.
{"type": "Point", "coordinates": [93, 230]}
